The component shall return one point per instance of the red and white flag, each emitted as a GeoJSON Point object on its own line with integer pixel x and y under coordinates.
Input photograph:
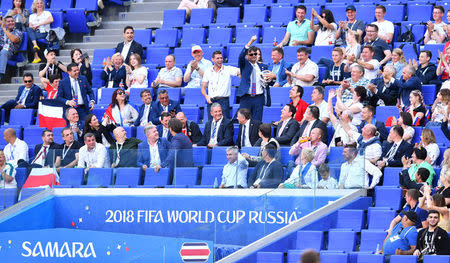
{"type": "Point", "coordinates": [42, 177]}
{"type": "Point", "coordinates": [195, 252]}
{"type": "Point", "coordinates": [109, 114]}
{"type": "Point", "coordinates": [51, 114]}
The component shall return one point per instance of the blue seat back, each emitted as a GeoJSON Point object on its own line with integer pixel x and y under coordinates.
{"type": "Point", "coordinates": [183, 55]}
{"type": "Point", "coordinates": [202, 16]}
{"type": "Point", "coordinates": [33, 135]}
{"type": "Point", "coordinates": [128, 176]}
{"type": "Point", "coordinates": [159, 179]}
{"type": "Point", "coordinates": [273, 34]}
{"type": "Point", "coordinates": [243, 34]}
{"type": "Point", "coordinates": [351, 219]}
{"type": "Point", "coordinates": [257, 14]}
{"type": "Point", "coordinates": [403, 259]}
{"type": "Point", "coordinates": [100, 176]}
{"type": "Point", "coordinates": [209, 175]}
{"type": "Point", "coordinates": [272, 257]}
{"type": "Point", "coordinates": [370, 239]}
{"type": "Point", "coordinates": [309, 239]}
{"type": "Point", "coordinates": [193, 96]}
{"type": "Point", "coordinates": [185, 176]}
{"type": "Point", "coordinates": [60, 5]}
{"type": "Point", "coordinates": [341, 240]}
{"type": "Point", "coordinates": [24, 117]}
{"type": "Point", "coordinates": [58, 20]}
{"type": "Point", "coordinates": [219, 156]}
{"type": "Point", "coordinates": [384, 112]}
{"type": "Point", "coordinates": [395, 13]}
{"type": "Point", "coordinates": [390, 177]}
{"type": "Point", "coordinates": [282, 14]}
{"type": "Point", "coordinates": [106, 97]}
{"type": "Point", "coordinates": [193, 36]}
{"type": "Point", "coordinates": [228, 15]}
{"type": "Point", "coordinates": [429, 93]}
{"type": "Point", "coordinates": [87, 4]}
{"type": "Point", "coordinates": [388, 197]}
{"type": "Point", "coordinates": [166, 37]}
{"type": "Point", "coordinates": [370, 258]}
{"type": "Point", "coordinates": [419, 12]}
{"type": "Point", "coordinates": [379, 218]}
{"type": "Point", "coordinates": [220, 36]}
{"type": "Point", "coordinates": [77, 20]}
{"type": "Point", "coordinates": [143, 36]}
{"type": "Point", "coordinates": [200, 155]}
{"type": "Point", "coordinates": [71, 176]}
{"type": "Point", "coordinates": [174, 18]}
{"type": "Point", "coordinates": [100, 55]}
{"type": "Point", "coordinates": [157, 55]}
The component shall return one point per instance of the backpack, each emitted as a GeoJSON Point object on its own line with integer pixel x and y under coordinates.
{"type": "Point", "coordinates": [408, 36]}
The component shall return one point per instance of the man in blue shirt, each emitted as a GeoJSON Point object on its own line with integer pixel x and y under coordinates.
{"type": "Point", "coordinates": [234, 174]}
{"type": "Point", "coordinates": [412, 204]}
{"type": "Point", "coordinates": [403, 237]}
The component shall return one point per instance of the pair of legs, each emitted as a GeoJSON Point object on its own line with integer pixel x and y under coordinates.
{"type": "Point", "coordinates": [34, 35]}
{"type": "Point", "coordinates": [255, 104]}
{"type": "Point", "coordinates": [4, 56]}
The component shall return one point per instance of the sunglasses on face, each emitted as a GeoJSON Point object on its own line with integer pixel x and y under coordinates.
{"type": "Point", "coordinates": [120, 93]}
{"type": "Point", "coordinates": [252, 54]}
{"type": "Point", "coordinates": [27, 81]}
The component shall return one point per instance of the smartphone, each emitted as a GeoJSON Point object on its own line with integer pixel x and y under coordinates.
{"type": "Point", "coordinates": [84, 56]}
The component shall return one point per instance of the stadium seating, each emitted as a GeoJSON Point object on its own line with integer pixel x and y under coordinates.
{"type": "Point", "coordinates": [309, 239]}
{"type": "Point", "coordinates": [128, 176]}
{"type": "Point", "coordinates": [185, 176]}
{"type": "Point", "coordinates": [272, 257]}
{"type": "Point", "coordinates": [341, 240]}
{"type": "Point", "coordinates": [380, 218]}
{"type": "Point", "coordinates": [99, 177]}
{"type": "Point", "coordinates": [386, 196]}
{"type": "Point", "coordinates": [22, 117]}
{"type": "Point", "coordinates": [160, 178]}
{"type": "Point", "coordinates": [201, 17]}
{"type": "Point", "coordinates": [174, 18]}
{"type": "Point", "coordinates": [350, 219]}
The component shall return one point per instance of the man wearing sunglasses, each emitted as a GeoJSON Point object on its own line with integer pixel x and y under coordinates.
{"type": "Point", "coordinates": [27, 97]}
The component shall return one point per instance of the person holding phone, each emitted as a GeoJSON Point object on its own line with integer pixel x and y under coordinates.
{"type": "Point", "coordinates": [82, 60]}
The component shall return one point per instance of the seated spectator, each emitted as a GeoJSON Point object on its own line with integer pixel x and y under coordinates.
{"type": "Point", "coordinates": [82, 60]}
{"type": "Point", "coordinates": [74, 123]}
{"type": "Point", "coordinates": [287, 127]}
{"type": "Point", "coordinates": [444, 124]}
{"type": "Point", "coordinates": [153, 152]}
{"type": "Point", "coordinates": [432, 240]}
{"type": "Point", "coordinates": [445, 167]}
{"type": "Point", "coordinates": [417, 161]}
{"type": "Point", "coordinates": [327, 182]}
{"type": "Point", "coordinates": [416, 108]}
{"type": "Point", "coordinates": [356, 79]}
{"type": "Point", "coordinates": [381, 49]}
{"type": "Point", "coordinates": [129, 46]}
{"type": "Point", "coordinates": [398, 61]}
{"type": "Point", "coordinates": [355, 105]}
{"type": "Point", "coordinates": [234, 174]}
{"type": "Point", "coordinates": [218, 131]}
{"type": "Point", "coordinates": [163, 128]}
{"type": "Point", "coordinates": [114, 72]}
{"type": "Point", "coordinates": [350, 25]}
{"type": "Point", "coordinates": [326, 29]}
{"type": "Point", "coordinates": [368, 116]}
{"type": "Point", "coordinates": [27, 97]}
{"type": "Point", "coordinates": [314, 142]}
{"type": "Point", "coordinates": [170, 76]}
{"type": "Point", "coordinates": [384, 91]}
{"type": "Point", "coordinates": [20, 14]}
{"type": "Point", "coordinates": [385, 28]}
{"type": "Point", "coordinates": [296, 94]}
{"type": "Point", "coordinates": [189, 128]}
{"type": "Point", "coordinates": [444, 68]}
{"type": "Point", "coordinates": [311, 121]}
{"type": "Point", "coordinates": [124, 152]}
{"type": "Point", "coordinates": [335, 73]}
{"type": "Point", "coordinates": [52, 67]}
{"type": "Point", "coordinates": [265, 137]}
{"type": "Point", "coordinates": [367, 62]}
{"type": "Point", "coordinates": [298, 31]}
{"type": "Point", "coordinates": [421, 178]}
{"type": "Point", "coordinates": [16, 149]}
{"type": "Point", "coordinates": [8, 173]}
{"type": "Point", "coordinates": [145, 110]}
{"type": "Point", "coordinates": [412, 204]}
{"type": "Point", "coordinates": [67, 153]}
{"type": "Point", "coordinates": [305, 72]}
{"type": "Point", "coordinates": [402, 237]}
{"type": "Point", "coordinates": [435, 33]}
{"type": "Point", "coordinates": [310, 256]}
{"type": "Point", "coordinates": [408, 83]}
{"type": "Point", "coordinates": [277, 76]}
{"type": "Point", "coordinates": [317, 97]}
{"type": "Point", "coordinates": [439, 108]}
{"type": "Point", "coordinates": [197, 67]}
{"type": "Point", "coordinates": [352, 171]}
{"type": "Point", "coordinates": [44, 153]}
{"type": "Point", "coordinates": [305, 173]}
{"type": "Point", "coordinates": [39, 26]}
{"type": "Point", "coordinates": [180, 151]}
{"type": "Point", "coordinates": [428, 141]}
{"type": "Point", "coordinates": [92, 154]}
{"type": "Point", "coordinates": [269, 172]}
{"type": "Point", "coordinates": [52, 87]}
{"type": "Point", "coordinates": [436, 202]}
{"type": "Point", "coordinates": [425, 70]}
{"type": "Point", "coordinates": [136, 73]}
{"type": "Point", "coordinates": [164, 104]}
{"type": "Point", "coordinates": [11, 38]}
{"type": "Point", "coordinates": [248, 129]}
{"type": "Point", "coordinates": [189, 5]}
{"type": "Point", "coordinates": [394, 148]}
{"type": "Point", "coordinates": [352, 45]}
{"type": "Point", "coordinates": [340, 136]}
{"type": "Point", "coordinates": [101, 132]}
{"type": "Point", "coordinates": [120, 112]}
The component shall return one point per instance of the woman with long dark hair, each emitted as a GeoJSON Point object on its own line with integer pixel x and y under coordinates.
{"type": "Point", "coordinates": [119, 112]}
{"type": "Point", "coordinates": [83, 63]}
{"type": "Point", "coordinates": [102, 133]}
{"type": "Point", "coordinates": [19, 13]}
{"type": "Point", "coordinates": [326, 28]}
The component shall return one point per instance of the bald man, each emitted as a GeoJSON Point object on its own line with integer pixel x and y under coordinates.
{"type": "Point", "coordinates": [123, 153]}
{"type": "Point", "coordinates": [16, 149]}
{"type": "Point", "coordinates": [190, 128]}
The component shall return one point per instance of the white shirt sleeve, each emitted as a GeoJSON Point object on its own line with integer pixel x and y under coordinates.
{"type": "Point", "coordinates": [23, 151]}
{"type": "Point", "coordinates": [81, 157]}
{"type": "Point", "coordinates": [101, 155]}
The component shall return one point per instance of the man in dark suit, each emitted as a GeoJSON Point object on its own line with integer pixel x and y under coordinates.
{"type": "Point", "coordinates": [287, 127]}
{"type": "Point", "coordinates": [269, 172]}
{"type": "Point", "coordinates": [44, 153]}
{"type": "Point", "coordinates": [384, 91]}
{"type": "Point", "coordinates": [253, 95]}
{"type": "Point", "coordinates": [190, 128]}
{"type": "Point", "coordinates": [219, 131]}
{"type": "Point", "coordinates": [368, 116]}
{"type": "Point", "coordinates": [123, 153]}
{"type": "Point", "coordinates": [163, 128]}
{"type": "Point", "coordinates": [394, 148]}
{"type": "Point", "coordinates": [248, 129]}
{"type": "Point", "coordinates": [129, 46]}
{"type": "Point", "coordinates": [180, 151]}
{"type": "Point", "coordinates": [145, 110]}
{"type": "Point", "coordinates": [408, 83]}
{"type": "Point", "coordinates": [164, 104]}
{"type": "Point", "coordinates": [75, 91]}
{"type": "Point", "coordinates": [27, 97]}
{"type": "Point", "coordinates": [311, 121]}
{"type": "Point", "coordinates": [152, 152]}
{"type": "Point", "coordinates": [74, 123]}
{"type": "Point", "coordinates": [277, 76]}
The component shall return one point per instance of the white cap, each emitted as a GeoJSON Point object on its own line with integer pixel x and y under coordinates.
{"type": "Point", "coordinates": [195, 48]}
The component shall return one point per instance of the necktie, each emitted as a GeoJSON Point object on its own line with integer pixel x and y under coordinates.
{"type": "Point", "coordinates": [23, 95]}
{"type": "Point", "coordinates": [214, 130]}
{"type": "Point", "coordinates": [243, 136]}
{"type": "Point", "coordinates": [392, 151]}
{"type": "Point", "coordinates": [254, 81]}
{"type": "Point", "coordinates": [75, 91]}
{"type": "Point", "coordinates": [45, 153]}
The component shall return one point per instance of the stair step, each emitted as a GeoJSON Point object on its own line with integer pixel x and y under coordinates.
{"type": "Point", "coordinates": [66, 52]}
{"type": "Point", "coordinates": [152, 6]}
{"type": "Point", "coordinates": [107, 32]}
{"type": "Point", "coordinates": [136, 16]}
{"type": "Point", "coordinates": [136, 24]}
{"type": "Point", "coordinates": [103, 38]}
{"type": "Point", "coordinates": [93, 45]}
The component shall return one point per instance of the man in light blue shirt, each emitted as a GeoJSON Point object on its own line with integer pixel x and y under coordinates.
{"type": "Point", "coordinates": [196, 68]}
{"type": "Point", "coordinates": [298, 31]}
{"type": "Point", "coordinates": [234, 173]}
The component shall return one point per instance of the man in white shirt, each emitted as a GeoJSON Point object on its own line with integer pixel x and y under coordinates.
{"type": "Point", "coordinates": [317, 96]}
{"type": "Point", "coordinates": [248, 129]}
{"type": "Point", "coordinates": [170, 76]}
{"type": "Point", "coordinates": [217, 79]}
{"type": "Point", "coordinates": [128, 46]}
{"type": "Point", "coordinates": [352, 171]}
{"type": "Point", "coordinates": [163, 128]}
{"type": "Point", "coordinates": [367, 61]}
{"type": "Point", "coordinates": [92, 154]}
{"type": "Point", "coordinates": [234, 174]}
{"type": "Point", "coordinates": [145, 110]}
{"type": "Point", "coordinates": [304, 72]}
{"type": "Point", "coordinates": [435, 33]}
{"type": "Point", "coordinates": [385, 28]}
{"type": "Point", "coordinates": [16, 149]}
{"type": "Point", "coordinates": [196, 68]}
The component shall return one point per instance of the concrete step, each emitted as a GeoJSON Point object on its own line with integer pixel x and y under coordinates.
{"type": "Point", "coordinates": [30, 67]}
{"type": "Point", "coordinates": [103, 38]}
{"type": "Point", "coordinates": [153, 6]}
{"type": "Point", "coordinates": [136, 16]}
{"type": "Point", "coordinates": [92, 45]}
{"type": "Point", "coordinates": [7, 89]}
{"type": "Point", "coordinates": [146, 23]}
{"type": "Point", "coordinates": [107, 32]}
{"type": "Point", "coordinates": [66, 52]}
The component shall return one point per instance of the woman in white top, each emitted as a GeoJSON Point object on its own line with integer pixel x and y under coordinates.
{"type": "Point", "coordinates": [136, 73]}
{"type": "Point", "coordinates": [39, 26]}
{"type": "Point", "coordinates": [123, 114]}
{"type": "Point", "coordinates": [428, 140]}
{"type": "Point", "coordinates": [439, 108]}
{"type": "Point", "coordinates": [8, 173]}
{"type": "Point", "coordinates": [405, 120]}
{"type": "Point", "coordinates": [355, 105]}
{"type": "Point", "coordinates": [20, 14]}
{"type": "Point", "coordinates": [189, 5]}
{"type": "Point", "coordinates": [325, 29]}
{"type": "Point", "coordinates": [304, 175]}
{"type": "Point", "coordinates": [398, 61]}
{"type": "Point", "coordinates": [353, 47]}
{"type": "Point", "coordinates": [340, 137]}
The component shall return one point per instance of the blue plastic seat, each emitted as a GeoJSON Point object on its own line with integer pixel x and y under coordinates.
{"type": "Point", "coordinates": [250, 150]}
{"type": "Point", "coordinates": [384, 112]}
{"type": "Point", "coordinates": [23, 117]}
{"type": "Point", "coordinates": [5, 5]}
{"type": "Point", "coordinates": [282, 14]}
{"type": "Point", "coordinates": [57, 137]}
{"type": "Point", "coordinates": [219, 156]}
{"type": "Point", "coordinates": [100, 55]}
{"type": "Point", "coordinates": [391, 176]}
{"type": "Point", "coordinates": [135, 96]}
{"type": "Point", "coordinates": [58, 20]}
{"type": "Point", "coordinates": [429, 93]}
{"type": "Point", "coordinates": [388, 197]}
{"type": "Point", "coordinates": [366, 12]}
{"type": "Point", "coordinates": [220, 36]}
{"type": "Point", "coordinates": [183, 56]}
{"type": "Point", "coordinates": [8, 197]}
{"type": "Point", "coordinates": [370, 258]}
{"type": "Point", "coordinates": [201, 17]}
{"type": "Point", "coordinates": [271, 114]}
{"type": "Point", "coordinates": [192, 113]}
{"type": "Point", "coordinates": [200, 155]}
{"type": "Point", "coordinates": [143, 36]}
{"type": "Point", "coordinates": [71, 176]}
{"type": "Point", "coordinates": [379, 218]}
{"type": "Point", "coordinates": [269, 257]}
{"type": "Point", "coordinates": [243, 34]}
{"type": "Point", "coordinates": [28, 192]}
{"type": "Point", "coordinates": [193, 96]}
{"type": "Point", "coordinates": [280, 95]}
{"type": "Point", "coordinates": [290, 2]}
{"type": "Point", "coordinates": [309, 239]}
{"type": "Point", "coordinates": [185, 176]}
{"type": "Point", "coordinates": [408, 49]}
{"type": "Point", "coordinates": [166, 37]}
{"type": "Point", "coordinates": [341, 240]}
{"type": "Point", "coordinates": [208, 50]}
{"type": "Point", "coordinates": [290, 54]}
{"type": "Point", "coordinates": [174, 18]}
{"type": "Point", "coordinates": [157, 55]}
{"type": "Point", "coordinates": [419, 12]}
{"type": "Point", "coordinates": [174, 93]}
{"type": "Point", "coordinates": [318, 52]}
{"type": "Point", "coordinates": [418, 32]}
{"type": "Point", "coordinates": [209, 175]}
{"type": "Point", "coordinates": [403, 259]}
{"type": "Point", "coordinates": [285, 157]}
{"type": "Point", "coordinates": [440, 136]}
{"type": "Point", "coordinates": [338, 11]}
{"type": "Point", "coordinates": [233, 54]}
{"type": "Point", "coordinates": [57, 5]}
{"type": "Point", "coordinates": [19, 60]}
{"type": "Point", "coordinates": [100, 176]}
{"type": "Point", "coordinates": [273, 34]}
{"type": "Point", "coordinates": [106, 97]}
{"type": "Point", "coordinates": [293, 256]}
{"type": "Point", "coordinates": [87, 4]}
{"type": "Point", "coordinates": [352, 219]}
{"type": "Point", "coordinates": [33, 135]}
{"type": "Point", "coordinates": [254, 14]}
{"type": "Point", "coordinates": [227, 16]}
{"type": "Point", "coordinates": [21, 176]}
{"type": "Point", "coordinates": [335, 155]}
{"type": "Point", "coordinates": [266, 52]}
{"type": "Point", "coordinates": [193, 36]}
{"type": "Point", "coordinates": [395, 12]}
{"type": "Point", "coordinates": [327, 257]}
{"type": "Point", "coordinates": [157, 179]}
{"type": "Point", "coordinates": [261, 2]}
{"type": "Point", "coordinates": [371, 239]}
{"type": "Point", "coordinates": [77, 20]}
{"type": "Point", "coordinates": [436, 259]}
{"type": "Point", "coordinates": [128, 176]}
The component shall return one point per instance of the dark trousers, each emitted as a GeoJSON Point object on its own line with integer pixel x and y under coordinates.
{"type": "Point", "coordinates": [255, 104]}
{"type": "Point", "coordinates": [83, 111]}
{"type": "Point", "coordinates": [224, 103]}
{"type": "Point", "coordinates": [8, 106]}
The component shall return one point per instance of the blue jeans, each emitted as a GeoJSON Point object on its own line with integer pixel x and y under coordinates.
{"type": "Point", "coordinates": [4, 56]}
{"type": "Point", "coordinates": [35, 35]}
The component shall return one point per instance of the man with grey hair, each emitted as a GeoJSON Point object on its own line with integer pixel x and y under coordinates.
{"type": "Point", "coordinates": [74, 123]}
{"type": "Point", "coordinates": [123, 153]}
{"type": "Point", "coordinates": [356, 79]}
{"type": "Point", "coordinates": [234, 174]}
{"type": "Point", "coordinates": [219, 131]}
{"type": "Point", "coordinates": [408, 83]}
{"type": "Point", "coordinates": [340, 137]}
{"type": "Point", "coordinates": [153, 152]}
{"type": "Point", "coordinates": [163, 104]}
{"type": "Point", "coordinates": [383, 91]}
